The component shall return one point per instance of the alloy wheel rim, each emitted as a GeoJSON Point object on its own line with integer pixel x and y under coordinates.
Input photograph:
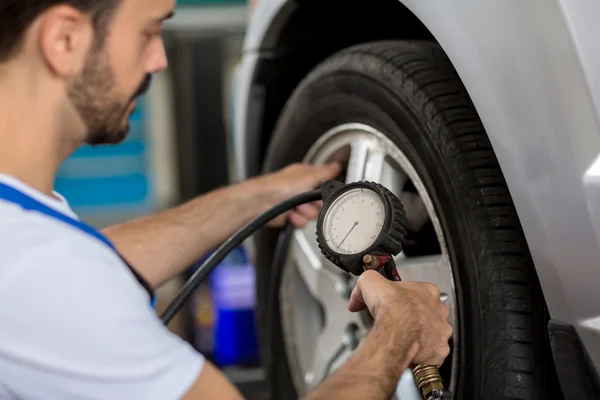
{"type": "Point", "coordinates": [319, 332]}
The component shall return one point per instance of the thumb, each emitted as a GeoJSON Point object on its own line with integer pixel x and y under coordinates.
{"type": "Point", "coordinates": [356, 303]}
{"type": "Point", "coordinates": [357, 300]}
{"type": "Point", "coordinates": [365, 294]}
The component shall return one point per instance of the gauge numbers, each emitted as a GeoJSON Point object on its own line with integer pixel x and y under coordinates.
{"type": "Point", "coordinates": [353, 221]}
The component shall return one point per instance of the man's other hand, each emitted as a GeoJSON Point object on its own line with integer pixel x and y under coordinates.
{"type": "Point", "coordinates": [291, 181]}
{"type": "Point", "coordinates": [411, 306]}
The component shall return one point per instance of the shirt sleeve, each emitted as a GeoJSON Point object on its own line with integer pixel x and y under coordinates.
{"type": "Point", "coordinates": [77, 325]}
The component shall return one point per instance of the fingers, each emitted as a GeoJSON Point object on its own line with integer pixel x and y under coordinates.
{"type": "Point", "coordinates": [434, 341]}
{"type": "Point", "coordinates": [304, 213]}
{"type": "Point", "coordinates": [356, 303]}
{"type": "Point", "coordinates": [314, 175]}
{"type": "Point", "coordinates": [434, 291]}
{"type": "Point", "coordinates": [437, 330]}
{"type": "Point", "coordinates": [308, 210]}
{"type": "Point", "coordinates": [438, 352]}
{"type": "Point", "coordinates": [438, 356]}
{"type": "Point", "coordinates": [448, 332]}
{"type": "Point", "coordinates": [366, 292]}
{"type": "Point", "coordinates": [443, 350]}
{"type": "Point", "coordinates": [444, 311]}
{"type": "Point", "coordinates": [298, 220]}
{"type": "Point", "coordinates": [327, 171]}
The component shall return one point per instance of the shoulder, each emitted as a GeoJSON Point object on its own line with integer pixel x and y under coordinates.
{"type": "Point", "coordinates": [34, 227]}
{"type": "Point", "coordinates": [28, 236]}
{"type": "Point", "coordinates": [74, 314]}
{"type": "Point", "coordinates": [55, 265]}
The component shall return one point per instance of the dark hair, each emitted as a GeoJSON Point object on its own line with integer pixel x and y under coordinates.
{"type": "Point", "coordinates": [17, 15]}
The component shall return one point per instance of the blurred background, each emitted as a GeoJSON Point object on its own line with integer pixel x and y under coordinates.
{"type": "Point", "coordinates": [178, 133]}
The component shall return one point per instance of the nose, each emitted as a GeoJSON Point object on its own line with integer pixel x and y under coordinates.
{"type": "Point", "coordinates": [158, 60]}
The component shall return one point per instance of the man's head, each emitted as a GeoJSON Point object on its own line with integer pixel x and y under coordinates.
{"type": "Point", "coordinates": [97, 55]}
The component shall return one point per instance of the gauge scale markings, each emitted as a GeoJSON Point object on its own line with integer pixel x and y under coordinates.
{"type": "Point", "coordinates": [354, 221]}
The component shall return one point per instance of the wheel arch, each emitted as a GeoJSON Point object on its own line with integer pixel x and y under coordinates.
{"type": "Point", "coordinates": [286, 39]}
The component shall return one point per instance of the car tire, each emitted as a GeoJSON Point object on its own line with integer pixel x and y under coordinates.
{"type": "Point", "coordinates": [410, 92]}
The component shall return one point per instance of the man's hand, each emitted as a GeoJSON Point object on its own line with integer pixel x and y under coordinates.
{"type": "Point", "coordinates": [407, 305]}
{"type": "Point", "coordinates": [290, 181]}
{"type": "Point", "coordinates": [410, 328]}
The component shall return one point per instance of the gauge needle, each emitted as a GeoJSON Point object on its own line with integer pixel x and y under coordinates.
{"type": "Point", "coordinates": [350, 231]}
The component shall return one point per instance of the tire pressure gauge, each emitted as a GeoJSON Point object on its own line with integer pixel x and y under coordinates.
{"type": "Point", "coordinates": [357, 219]}
{"type": "Point", "coordinates": [361, 226]}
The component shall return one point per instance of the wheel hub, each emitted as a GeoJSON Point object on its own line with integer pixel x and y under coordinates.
{"type": "Point", "coordinates": [319, 332]}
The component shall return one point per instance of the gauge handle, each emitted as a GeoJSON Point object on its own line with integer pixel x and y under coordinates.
{"type": "Point", "coordinates": [427, 377]}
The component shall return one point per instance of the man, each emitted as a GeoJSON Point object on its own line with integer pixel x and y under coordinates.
{"type": "Point", "coordinates": [75, 318]}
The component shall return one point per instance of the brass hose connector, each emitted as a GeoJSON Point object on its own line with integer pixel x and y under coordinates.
{"type": "Point", "coordinates": [429, 380]}
{"type": "Point", "coordinates": [370, 261]}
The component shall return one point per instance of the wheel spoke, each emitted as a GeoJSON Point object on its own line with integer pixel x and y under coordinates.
{"type": "Point", "coordinates": [359, 149]}
{"type": "Point", "coordinates": [366, 160]}
{"type": "Point", "coordinates": [433, 269]}
{"type": "Point", "coordinates": [374, 164]}
{"type": "Point", "coordinates": [324, 285]}
{"type": "Point", "coordinates": [338, 339]}
{"type": "Point", "coordinates": [393, 178]}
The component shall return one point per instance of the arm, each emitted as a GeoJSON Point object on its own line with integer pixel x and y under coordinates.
{"type": "Point", "coordinates": [375, 367]}
{"type": "Point", "coordinates": [372, 372]}
{"type": "Point", "coordinates": [411, 326]}
{"type": "Point", "coordinates": [163, 245]}
{"type": "Point", "coordinates": [212, 384]}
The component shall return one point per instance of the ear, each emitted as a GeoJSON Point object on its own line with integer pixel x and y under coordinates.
{"type": "Point", "coordinates": [65, 35]}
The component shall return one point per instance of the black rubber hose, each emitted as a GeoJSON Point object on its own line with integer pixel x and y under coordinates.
{"type": "Point", "coordinates": [222, 251]}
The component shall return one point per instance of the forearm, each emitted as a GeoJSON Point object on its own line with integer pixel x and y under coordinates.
{"type": "Point", "coordinates": [163, 245]}
{"type": "Point", "coordinates": [374, 369]}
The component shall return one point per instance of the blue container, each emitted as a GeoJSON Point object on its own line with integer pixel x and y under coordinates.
{"type": "Point", "coordinates": [233, 296]}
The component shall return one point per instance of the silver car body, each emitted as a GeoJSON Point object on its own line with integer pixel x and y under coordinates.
{"type": "Point", "coordinates": [532, 69]}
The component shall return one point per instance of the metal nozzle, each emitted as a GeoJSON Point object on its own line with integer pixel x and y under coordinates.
{"type": "Point", "coordinates": [429, 380]}
{"type": "Point", "coordinates": [370, 261]}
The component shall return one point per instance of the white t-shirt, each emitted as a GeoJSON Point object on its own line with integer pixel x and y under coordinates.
{"type": "Point", "coordinates": [74, 321]}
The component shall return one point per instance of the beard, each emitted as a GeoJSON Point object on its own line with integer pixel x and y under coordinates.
{"type": "Point", "coordinates": [94, 95]}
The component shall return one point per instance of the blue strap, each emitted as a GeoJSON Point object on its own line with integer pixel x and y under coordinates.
{"type": "Point", "coordinates": [14, 196]}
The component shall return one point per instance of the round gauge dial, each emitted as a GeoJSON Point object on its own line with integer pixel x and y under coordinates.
{"type": "Point", "coordinates": [354, 221]}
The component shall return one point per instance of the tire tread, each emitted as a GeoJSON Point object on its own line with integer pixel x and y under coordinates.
{"type": "Point", "coordinates": [426, 70]}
